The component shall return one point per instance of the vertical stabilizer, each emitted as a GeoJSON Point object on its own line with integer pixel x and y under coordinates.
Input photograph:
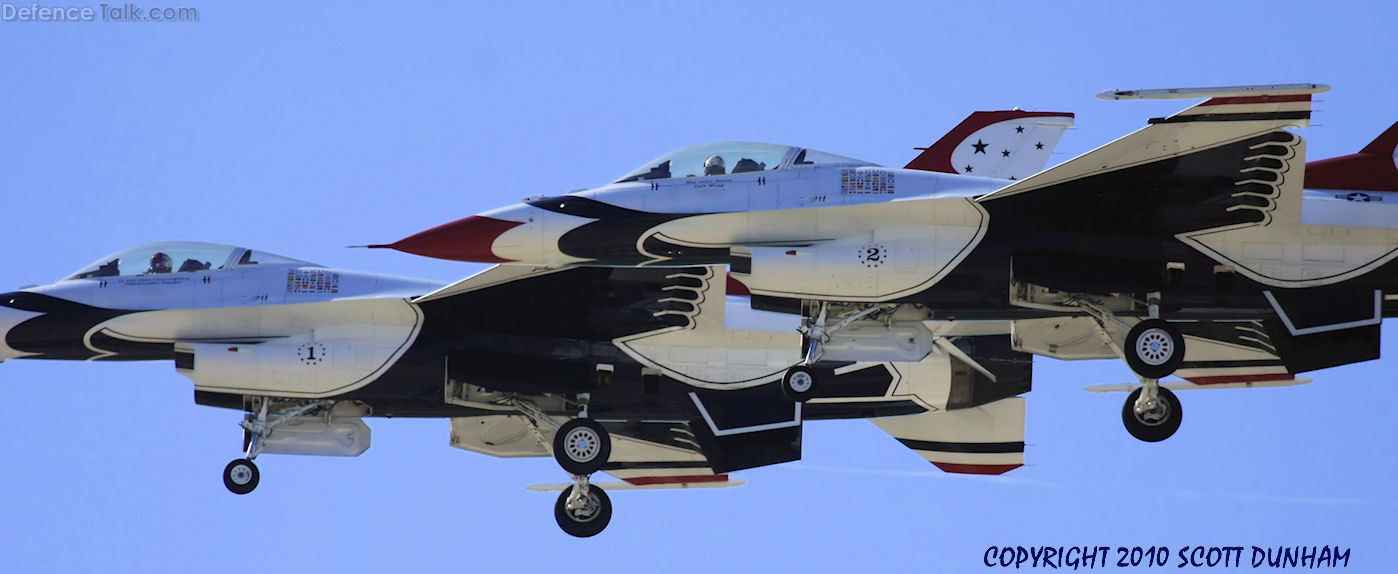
{"type": "Point", "coordinates": [1007, 144]}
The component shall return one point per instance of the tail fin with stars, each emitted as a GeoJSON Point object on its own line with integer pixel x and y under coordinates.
{"type": "Point", "coordinates": [1007, 144]}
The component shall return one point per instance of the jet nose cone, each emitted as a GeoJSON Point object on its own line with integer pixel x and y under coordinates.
{"type": "Point", "coordinates": [9, 317]}
{"type": "Point", "coordinates": [468, 239]}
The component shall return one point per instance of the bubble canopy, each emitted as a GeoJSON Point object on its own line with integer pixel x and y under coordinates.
{"type": "Point", "coordinates": [181, 257]}
{"type": "Point", "coordinates": [729, 158]}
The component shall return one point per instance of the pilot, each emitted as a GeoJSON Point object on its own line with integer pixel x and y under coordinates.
{"type": "Point", "coordinates": [714, 165]}
{"type": "Point", "coordinates": [159, 263]}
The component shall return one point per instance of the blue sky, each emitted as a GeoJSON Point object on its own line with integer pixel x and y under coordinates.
{"type": "Point", "coordinates": [302, 129]}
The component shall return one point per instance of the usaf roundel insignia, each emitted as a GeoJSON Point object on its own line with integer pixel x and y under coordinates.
{"type": "Point", "coordinates": [873, 255]}
{"type": "Point", "coordinates": [311, 353]}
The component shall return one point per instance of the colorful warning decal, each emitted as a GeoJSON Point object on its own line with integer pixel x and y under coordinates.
{"type": "Point", "coordinates": [312, 281]}
{"type": "Point", "coordinates": [865, 182]}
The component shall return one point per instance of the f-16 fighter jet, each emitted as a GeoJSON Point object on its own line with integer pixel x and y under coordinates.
{"type": "Point", "coordinates": [1201, 246]}
{"type": "Point", "coordinates": [632, 372]}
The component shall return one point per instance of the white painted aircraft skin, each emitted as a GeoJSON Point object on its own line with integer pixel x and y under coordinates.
{"type": "Point", "coordinates": [278, 298]}
{"type": "Point", "coordinates": [738, 196]}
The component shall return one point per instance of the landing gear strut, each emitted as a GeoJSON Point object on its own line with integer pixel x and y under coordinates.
{"type": "Point", "coordinates": [800, 382]}
{"type": "Point", "coordinates": [1154, 349]}
{"type": "Point", "coordinates": [1152, 413]}
{"type": "Point", "coordinates": [241, 476]}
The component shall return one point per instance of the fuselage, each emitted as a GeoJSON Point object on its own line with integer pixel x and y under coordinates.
{"type": "Point", "coordinates": [241, 324]}
{"type": "Point", "coordinates": [121, 308]}
{"type": "Point", "coordinates": [848, 224]}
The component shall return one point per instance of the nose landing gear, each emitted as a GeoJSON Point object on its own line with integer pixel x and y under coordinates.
{"type": "Point", "coordinates": [240, 476]}
{"type": "Point", "coordinates": [1152, 413]}
{"type": "Point", "coordinates": [582, 510]}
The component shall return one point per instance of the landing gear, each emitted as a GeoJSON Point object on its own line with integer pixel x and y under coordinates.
{"type": "Point", "coordinates": [799, 384]}
{"type": "Point", "coordinates": [1152, 413]}
{"type": "Point", "coordinates": [582, 446]}
{"type": "Point", "coordinates": [1154, 349]}
{"type": "Point", "coordinates": [240, 476]}
{"type": "Point", "coordinates": [582, 510]}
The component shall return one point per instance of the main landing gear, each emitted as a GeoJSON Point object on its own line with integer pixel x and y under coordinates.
{"type": "Point", "coordinates": [581, 446]}
{"type": "Point", "coordinates": [1154, 349]}
{"type": "Point", "coordinates": [241, 476]}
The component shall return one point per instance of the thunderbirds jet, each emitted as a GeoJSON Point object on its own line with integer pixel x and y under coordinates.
{"type": "Point", "coordinates": [1202, 245]}
{"type": "Point", "coordinates": [633, 372]}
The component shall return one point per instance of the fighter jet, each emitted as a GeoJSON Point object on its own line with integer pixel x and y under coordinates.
{"type": "Point", "coordinates": [633, 372]}
{"type": "Point", "coordinates": [1201, 246]}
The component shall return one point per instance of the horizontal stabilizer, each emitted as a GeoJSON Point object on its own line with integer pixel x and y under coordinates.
{"type": "Point", "coordinates": [988, 439]}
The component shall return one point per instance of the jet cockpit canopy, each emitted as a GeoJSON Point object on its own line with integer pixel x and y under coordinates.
{"type": "Point", "coordinates": [728, 158]}
{"type": "Point", "coordinates": [181, 257]}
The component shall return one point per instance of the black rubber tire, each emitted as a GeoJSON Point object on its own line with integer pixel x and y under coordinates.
{"type": "Point", "coordinates": [574, 448]}
{"type": "Point", "coordinates": [590, 526]}
{"type": "Point", "coordinates": [800, 383]}
{"type": "Point", "coordinates": [241, 476]}
{"type": "Point", "coordinates": [1160, 336]}
{"type": "Point", "coordinates": [1153, 429]}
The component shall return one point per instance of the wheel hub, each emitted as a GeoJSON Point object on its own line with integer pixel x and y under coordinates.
{"type": "Point", "coordinates": [1155, 347]}
{"type": "Point", "coordinates": [801, 381]}
{"type": "Point", "coordinates": [582, 444]}
{"type": "Point", "coordinates": [584, 509]}
{"type": "Point", "coordinates": [1153, 414]}
{"type": "Point", "coordinates": [240, 475]}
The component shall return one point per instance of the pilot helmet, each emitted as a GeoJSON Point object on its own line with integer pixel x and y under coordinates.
{"type": "Point", "coordinates": [714, 165]}
{"type": "Point", "coordinates": [160, 263]}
